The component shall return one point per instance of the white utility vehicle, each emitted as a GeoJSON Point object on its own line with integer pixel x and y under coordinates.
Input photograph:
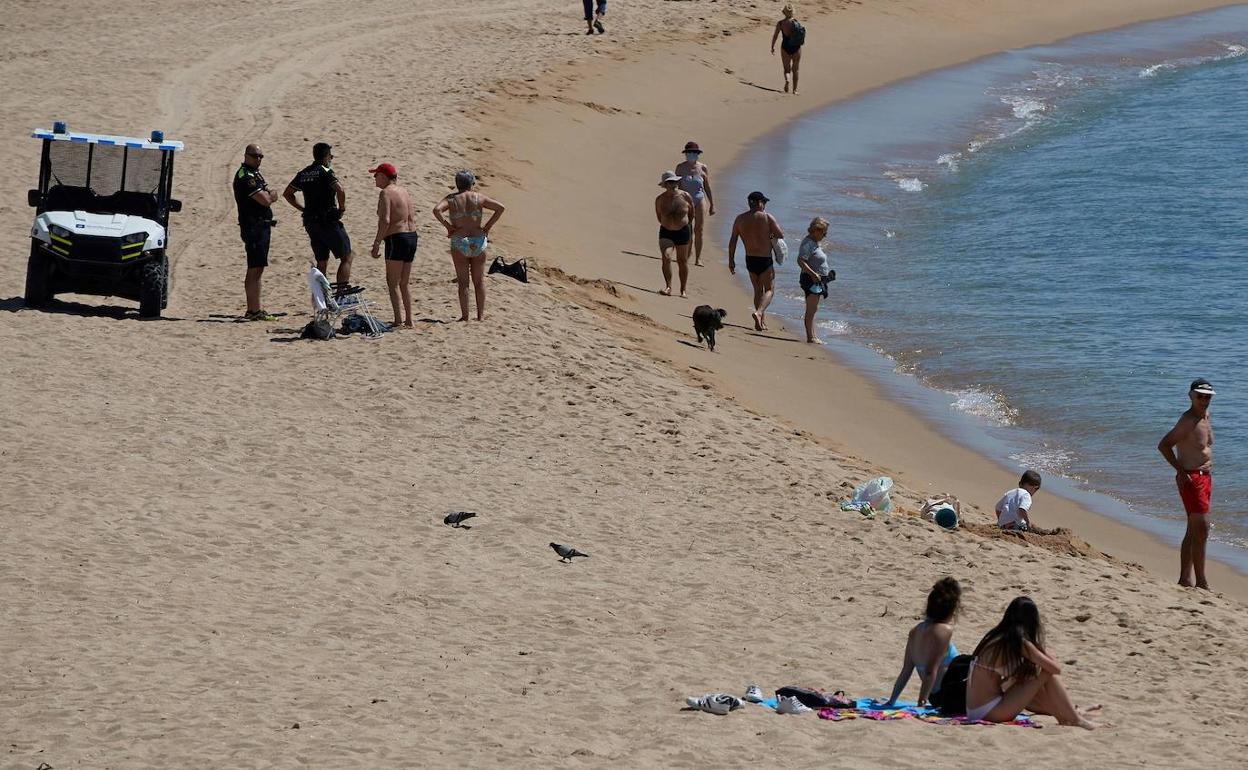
{"type": "Point", "coordinates": [102, 218]}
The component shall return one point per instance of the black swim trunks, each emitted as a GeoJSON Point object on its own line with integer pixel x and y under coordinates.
{"type": "Point", "coordinates": [679, 237]}
{"type": "Point", "coordinates": [811, 285]}
{"type": "Point", "coordinates": [327, 237]}
{"type": "Point", "coordinates": [758, 265]}
{"type": "Point", "coordinates": [401, 247]}
{"type": "Point", "coordinates": [789, 47]}
{"type": "Point", "coordinates": [255, 237]}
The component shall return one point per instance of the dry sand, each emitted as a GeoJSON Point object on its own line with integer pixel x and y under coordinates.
{"type": "Point", "coordinates": [224, 548]}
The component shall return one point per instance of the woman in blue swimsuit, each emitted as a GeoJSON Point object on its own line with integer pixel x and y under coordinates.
{"type": "Point", "coordinates": [695, 179]}
{"type": "Point", "coordinates": [460, 214]}
{"type": "Point", "coordinates": [929, 647]}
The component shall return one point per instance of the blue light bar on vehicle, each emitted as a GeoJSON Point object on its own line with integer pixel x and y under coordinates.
{"type": "Point", "coordinates": [106, 140]}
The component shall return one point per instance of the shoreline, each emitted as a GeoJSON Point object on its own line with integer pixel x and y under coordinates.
{"type": "Point", "coordinates": [609, 105]}
{"type": "Point", "coordinates": [873, 144]}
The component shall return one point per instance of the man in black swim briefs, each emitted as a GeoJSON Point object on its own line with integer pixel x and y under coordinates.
{"type": "Point", "coordinates": [674, 210]}
{"type": "Point", "coordinates": [756, 229]}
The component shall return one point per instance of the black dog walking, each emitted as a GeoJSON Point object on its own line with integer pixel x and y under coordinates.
{"type": "Point", "coordinates": [706, 321]}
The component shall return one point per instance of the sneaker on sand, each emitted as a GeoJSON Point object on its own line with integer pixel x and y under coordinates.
{"type": "Point", "coordinates": [716, 703]}
{"type": "Point", "coordinates": [788, 704]}
{"type": "Point", "coordinates": [754, 694]}
{"type": "Point", "coordinates": [259, 315]}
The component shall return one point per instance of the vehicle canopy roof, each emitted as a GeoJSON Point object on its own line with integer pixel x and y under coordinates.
{"type": "Point", "coordinates": [106, 140]}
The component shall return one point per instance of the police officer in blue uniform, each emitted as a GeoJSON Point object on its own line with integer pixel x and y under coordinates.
{"type": "Point", "coordinates": [324, 202]}
{"type": "Point", "coordinates": [255, 222]}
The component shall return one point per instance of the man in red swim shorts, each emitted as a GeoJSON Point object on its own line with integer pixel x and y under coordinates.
{"type": "Point", "coordinates": [1188, 447]}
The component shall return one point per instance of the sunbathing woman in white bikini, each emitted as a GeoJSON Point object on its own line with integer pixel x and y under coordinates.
{"type": "Point", "coordinates": [460, 214]}
{"type": "Point", "coordinates": [1012, 673]}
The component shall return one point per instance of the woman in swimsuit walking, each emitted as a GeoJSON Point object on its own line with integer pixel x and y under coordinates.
{"type": "Point", "coordinates": [460, 214]}
{"type": "Point", "coordinates": [1012, 672]}
{"type": "Point", "coordinates": [695, 179]}
{"type": "Point", "coordinates": [929, 646]}
{"type": "Point", "coordinates": [794, 37]}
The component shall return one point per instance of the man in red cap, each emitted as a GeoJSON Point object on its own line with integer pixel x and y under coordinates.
{"type": "Point", "coordinates": [396, 228]}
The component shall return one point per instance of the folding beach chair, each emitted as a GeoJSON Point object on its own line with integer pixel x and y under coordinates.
{"type": "Point", "coordinates": [334, 302]}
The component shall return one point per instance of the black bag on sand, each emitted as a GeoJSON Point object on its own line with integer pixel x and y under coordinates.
{"type": "Point", "coordinates": [950, 698]}
{"type": "Point", "coordinates": [815, 699]}
{"type": "Point", "coordinates": [318, 329]}
{"type": "Point", "coordinates": [518, 269]}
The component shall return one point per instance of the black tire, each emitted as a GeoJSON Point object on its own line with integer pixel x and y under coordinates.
{"type": "Point", "coordinates": [164, 287]}
{"type": "Point", "coordinates": [38, 278]}
{"type": "Point", "coordinates": [152, 289]}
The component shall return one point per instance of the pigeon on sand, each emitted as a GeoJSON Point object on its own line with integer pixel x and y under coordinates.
{"type": "Point", "coordinates": [458, 518]}
{"type": "Point", "coordinates": [566, 552]}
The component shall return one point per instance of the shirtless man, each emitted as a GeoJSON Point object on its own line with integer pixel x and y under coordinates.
{"type": "Point", "coordinates": [756, 228]}
{"type": "Point", "coordinates": [1188, 447]}
{"type": "Point", "coordinates": [396, 227]}
{"type": "Point", "coordinates": [674, 210]}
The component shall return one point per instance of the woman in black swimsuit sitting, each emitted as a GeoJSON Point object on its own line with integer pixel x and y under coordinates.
{"type": "Point", "coordinates": [794, 36]}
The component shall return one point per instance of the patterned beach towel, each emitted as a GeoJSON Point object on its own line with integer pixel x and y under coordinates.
{"type": "Point", "coordinates": [902, 710]}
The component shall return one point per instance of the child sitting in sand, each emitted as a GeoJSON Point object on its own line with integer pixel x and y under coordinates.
{"type": "Point", "coordinates": [929, 647]}
{"type": "Point", "coordinates": [1014, 507]}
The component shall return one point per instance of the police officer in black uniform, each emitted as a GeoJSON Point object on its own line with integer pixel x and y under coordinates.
{"type": "Point", "coordinates": [255, 221]}
{"type": "Point", "coordinates": [324, 202]}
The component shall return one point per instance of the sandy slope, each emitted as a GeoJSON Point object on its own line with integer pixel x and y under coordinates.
{"type": "Point", "coordinates": [215, 535]}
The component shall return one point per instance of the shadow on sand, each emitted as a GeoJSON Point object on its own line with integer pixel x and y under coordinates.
{"type": "Point", "coordinates": [60, 307]}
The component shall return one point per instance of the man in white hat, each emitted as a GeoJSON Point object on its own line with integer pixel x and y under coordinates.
{"type": "Point", "coordinates": [674, 210]}
{"type": "Point", "coordinates": [1188, 447]}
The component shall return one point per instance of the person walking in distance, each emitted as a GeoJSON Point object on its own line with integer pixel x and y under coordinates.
{"type": "Point", "coordinates": [674, 210]}
{"type": "Point", "coordinates": [813, 263]}
{"type": "Point", "coordinates": [396, 228]}
{"type": "Point", "coordinates": [792, 37]}
{"type": "Point", "coordinates": [756, 229]}
{"type": "Point", "coordinates": [593, 16]}
{"type": "Point", "coordinates": [695, 179]}
{"type": "Point", "coordinates": [1188, 447]}
{"type": "Point", "coordinates": [324, 203]}
{"type": "Point", "coordinates": [255, 223]}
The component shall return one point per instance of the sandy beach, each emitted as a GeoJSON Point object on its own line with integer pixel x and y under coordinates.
{"type": "Point", "coordinates": [225, 545]}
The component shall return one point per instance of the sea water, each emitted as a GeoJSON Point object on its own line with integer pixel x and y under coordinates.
{"type": "Point", "coordinates": [1040, 250]}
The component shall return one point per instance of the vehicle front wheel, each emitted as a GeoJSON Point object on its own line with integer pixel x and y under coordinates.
{"type": "Point", "coordinates": [152, 289]}
{"type": "Point", "coordinates": [38, 278]}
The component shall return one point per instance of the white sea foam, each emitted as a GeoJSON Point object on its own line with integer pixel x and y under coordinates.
{"type": "Point", "coordinates": [890, 234]}
{"type": "Point", "coordinates": [911, 184]}
{"type": "Point", "coordinates": [1024, 107]}
{"type": "Point", "coordinates": [833, 327]}
{"type": "Point", "coordinates": [1048, 459]}
{"type": "Point", "coordinates": [1233, 51]}
{"type": "Point", "coordinates": [983, 404]}
{"type": "Point", "coordinates": [949, 160]}
{"type": "Point", "coordinates": [1152, 70]}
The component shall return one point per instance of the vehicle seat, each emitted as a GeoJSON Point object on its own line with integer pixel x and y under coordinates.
{"type": "Point", "coordinates": [141, 204]}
